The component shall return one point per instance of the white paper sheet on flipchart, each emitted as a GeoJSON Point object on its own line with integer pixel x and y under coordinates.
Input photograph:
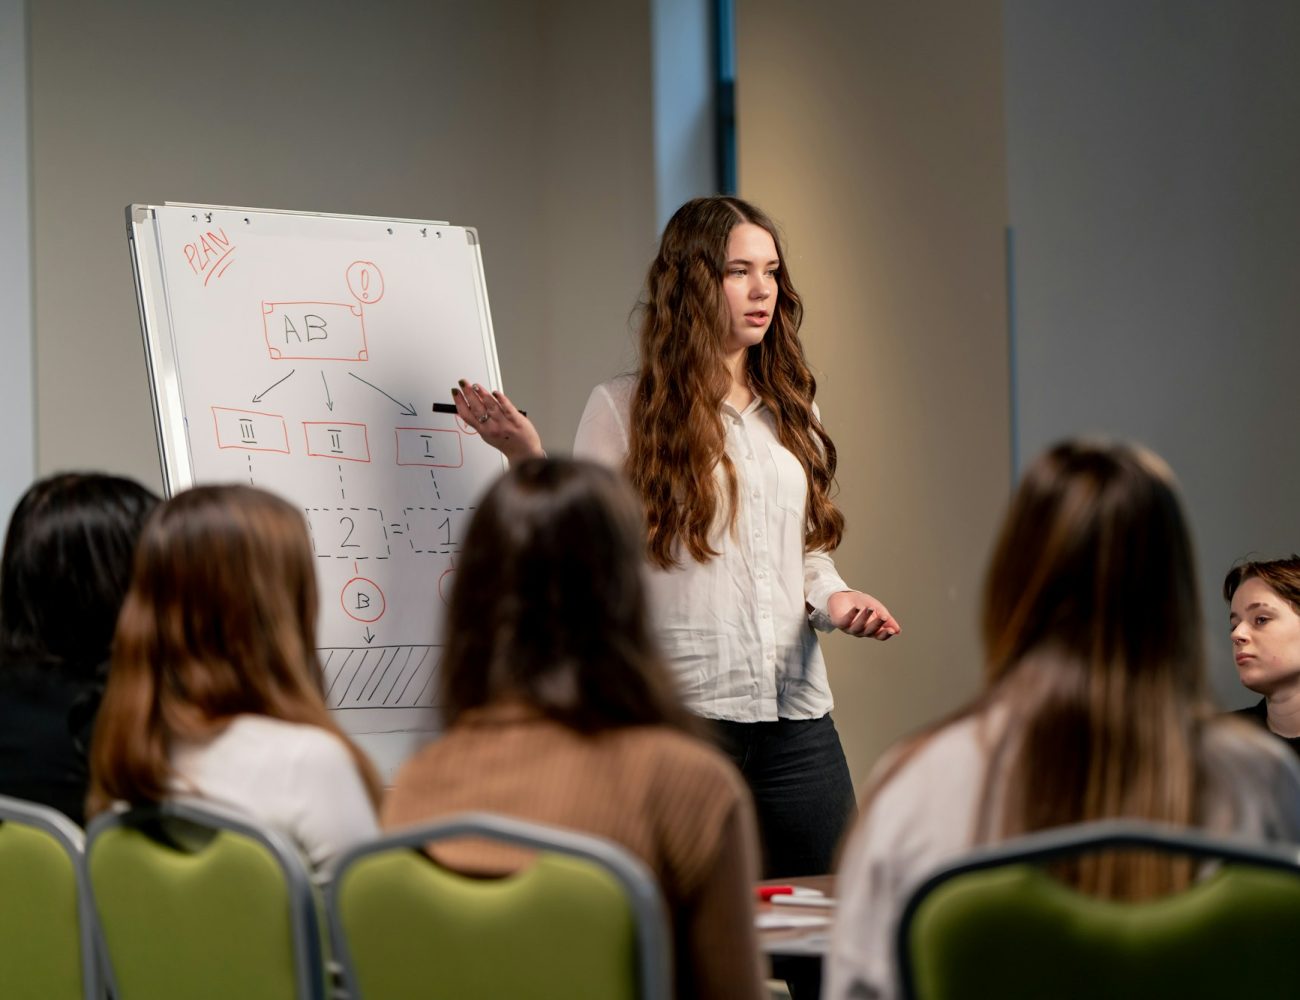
{"type": "Point", "coordinates": [308, 351]}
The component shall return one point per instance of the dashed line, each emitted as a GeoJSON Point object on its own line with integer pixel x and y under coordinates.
{"type": "Point", "coordinates": [250, 471]}
{"type": "Point", "coordinates": [435, 484]}
{"type": "Point", "coordinates": [342, 495]}
{"type": "Point", "coordinates": [388, 547]}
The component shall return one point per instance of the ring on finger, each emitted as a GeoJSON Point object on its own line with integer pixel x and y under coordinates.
{"type": "Point", "coordinates": [484, 417]}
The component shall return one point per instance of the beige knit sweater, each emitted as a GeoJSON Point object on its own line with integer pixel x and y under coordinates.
{"type": "Point", "coordinates": [669, 799]}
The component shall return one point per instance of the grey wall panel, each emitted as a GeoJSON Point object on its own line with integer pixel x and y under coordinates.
{"type": "Point", "coordinates": [529, 120]}
{"type": "Point", "coordinates": [1153, 151]}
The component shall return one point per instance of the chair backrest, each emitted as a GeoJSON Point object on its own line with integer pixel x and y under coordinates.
{"type": "Point", "coordinates": [192, 902]}
{"type": "Point", "coordinates": [995, 923]}
{"type": "Point", "coordinates": [584, 920]}
{"type": "Point", "coordinates": [46, 945]}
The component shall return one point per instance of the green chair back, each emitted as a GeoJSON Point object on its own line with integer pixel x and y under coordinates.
{"type": "Point", "coordinates": [193, 903]}
{"type": "Point", "coordinates": [996, 924]}
{"type": "Point", "coordinates": [583, 921]}
{"type": "Point", "coordinates": [46, 948]}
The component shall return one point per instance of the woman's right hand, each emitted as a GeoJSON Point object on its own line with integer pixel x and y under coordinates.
{"type": "Point", "coordinates": [497, 421]}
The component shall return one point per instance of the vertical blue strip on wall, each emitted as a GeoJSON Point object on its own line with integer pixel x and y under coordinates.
{"type": "Point", "coordinates": [724, 117]}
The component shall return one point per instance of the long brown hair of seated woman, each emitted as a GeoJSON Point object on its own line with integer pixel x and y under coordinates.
{"type": "Point", "coordinates": [560, 710]}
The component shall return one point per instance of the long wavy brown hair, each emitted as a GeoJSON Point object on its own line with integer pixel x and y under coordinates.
{"type": "Point", "coordinates": [1094, 651]}
{"type": "Point", "coordinates": [676, 436]}
{"type": "Point", "coordinates": [219, 621]}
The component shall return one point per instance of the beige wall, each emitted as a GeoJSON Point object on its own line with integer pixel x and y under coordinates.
{"type": "Point", "coordinates": [873, 131]}
{"type": "Point", "coordinates": [875, 137]}
{"type": "Point", "coordinates": [529, 120]}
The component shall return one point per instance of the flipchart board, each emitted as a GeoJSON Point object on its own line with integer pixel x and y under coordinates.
{"type": "Point", "coordinates": [302, 353]}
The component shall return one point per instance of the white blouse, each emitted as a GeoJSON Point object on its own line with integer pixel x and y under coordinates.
{"type": "Point", "coordinates": [294, 778]}
{"type": "Point", "coordinates": [736, 628]}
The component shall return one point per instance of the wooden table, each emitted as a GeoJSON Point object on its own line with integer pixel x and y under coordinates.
{"type": "Point", "coordinates": [806, 941]}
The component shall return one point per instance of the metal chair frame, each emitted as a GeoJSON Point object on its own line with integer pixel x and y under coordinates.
{"type": "Point", "coordinates": [309, 972]}
{"type": "Point", "coordinates": [654, 947]}
{"type": "Point", "coordinates": [1052, 845]}
{"type": "Point", "coordinates": [70, 837]}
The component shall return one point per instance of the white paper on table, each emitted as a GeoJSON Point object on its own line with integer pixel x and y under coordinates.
{"type": "Point", "coordinates": [776, 921]}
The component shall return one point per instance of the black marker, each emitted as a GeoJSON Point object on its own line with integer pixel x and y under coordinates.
{"type": "Point", "coordinates": [451, 408]}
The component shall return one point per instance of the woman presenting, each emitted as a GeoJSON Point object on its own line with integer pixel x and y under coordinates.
{"type": "Point", "coordinates": [719, 435]}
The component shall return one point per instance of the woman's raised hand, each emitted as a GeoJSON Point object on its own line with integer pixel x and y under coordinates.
{"type": "Point", "coordinates": [860, 614]}
{"type": "Point", "coordinates": [497, 421]}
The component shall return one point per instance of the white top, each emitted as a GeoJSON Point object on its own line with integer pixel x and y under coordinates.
{"type": "Point", "coordinates": [736, 628]}
{"type": "Point", "coordinates": [925, 816]}
{"type": "Point", "coordinates": [294, 778]}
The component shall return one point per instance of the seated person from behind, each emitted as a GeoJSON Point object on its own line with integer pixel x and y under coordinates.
{"type": "Point", "coordinates": [1094, 707]}
{"type": "Point", "coordinates": [215, 690]}
{"type": "Point", "coordinates": [1264, 615]}
{"type": "Point", "coordinates": [560, 710]}
{"type": "Point", "coordinates": [66, 565]}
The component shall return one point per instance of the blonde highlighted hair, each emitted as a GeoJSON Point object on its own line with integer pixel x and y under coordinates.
{"type": "Point", "coordinates": [1093, 656]}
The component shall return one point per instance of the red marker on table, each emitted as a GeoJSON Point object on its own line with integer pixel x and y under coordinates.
{"type": "Point", "coordinates": [799, 895]}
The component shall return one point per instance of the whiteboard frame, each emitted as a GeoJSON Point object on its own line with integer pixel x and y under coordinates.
{"type": "Point", "coordinates": [157, 326]}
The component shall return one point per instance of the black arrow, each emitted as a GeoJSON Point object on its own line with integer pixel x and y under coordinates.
{"type": "Point", "coordinates": [328, 402]}
{"type": "Point", "coordinates": [407, 408]}
{"type": "Point", "coordinates": [370, 636]}
{"type": "Point", "coordinates": [258, 397]}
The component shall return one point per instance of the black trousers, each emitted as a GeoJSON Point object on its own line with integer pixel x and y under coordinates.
{"type": "Point", "coordinates": [803, 797]}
